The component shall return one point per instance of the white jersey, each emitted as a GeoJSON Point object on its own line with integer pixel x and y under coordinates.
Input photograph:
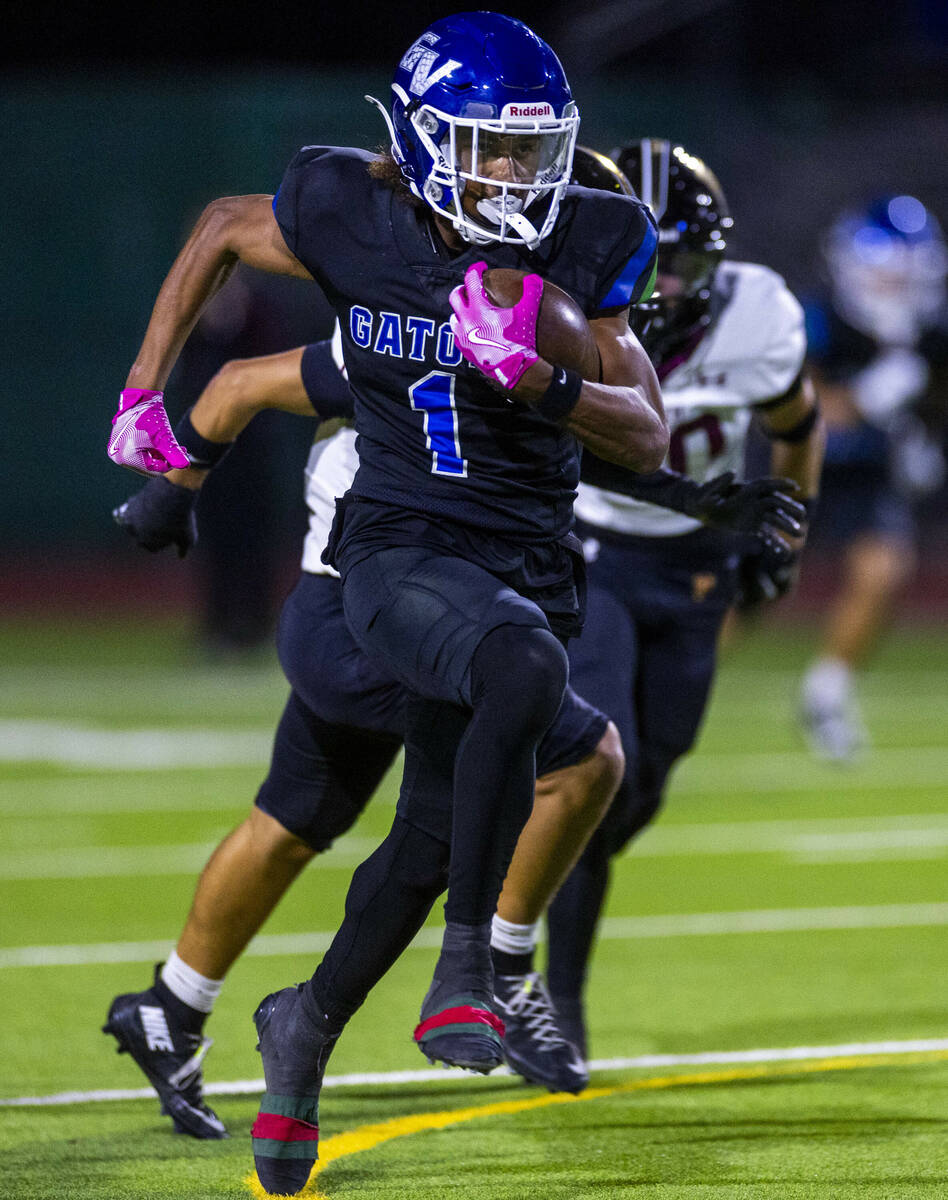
{"type": "Point", "coordinates": [330, 469]}
{"type": "Point", "coordinates": [752, 353]}
{"type": "Point", "coordinates": [329, 472]}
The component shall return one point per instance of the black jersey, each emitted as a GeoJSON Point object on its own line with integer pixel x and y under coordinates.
{"type": "Point", "coordinates": [433, 436]}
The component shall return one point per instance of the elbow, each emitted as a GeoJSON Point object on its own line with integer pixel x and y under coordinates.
{"type": "Point", "coordinates": [234, 390]}
{"type": "Point", "coordinates": [650, 450]}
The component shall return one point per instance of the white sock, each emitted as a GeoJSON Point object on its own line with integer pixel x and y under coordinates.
{"type": "Point", "coordinates": [194, 989]}
{"type": "Point", "coordinates": [828, 683]}
{"type": "Point", "coordinates": [511, 938]}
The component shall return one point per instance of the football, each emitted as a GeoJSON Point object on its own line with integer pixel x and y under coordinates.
{"type": "Point", "coordinates": [564, 336]}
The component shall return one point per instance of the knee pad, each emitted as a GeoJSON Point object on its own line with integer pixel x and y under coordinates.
{"type": "Point", "coordinates": [522, 671]}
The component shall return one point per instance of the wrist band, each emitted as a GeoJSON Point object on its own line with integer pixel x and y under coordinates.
{"type": "Point", "coordinates": [799, 432]}
{"type": "Point", "coordinates": [201, 452]}
{"type": "Point", "coordinates": [560, 398]}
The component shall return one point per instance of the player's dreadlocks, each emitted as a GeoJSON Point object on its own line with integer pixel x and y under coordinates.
{"type": "Point", "coordinates": [386, 170]}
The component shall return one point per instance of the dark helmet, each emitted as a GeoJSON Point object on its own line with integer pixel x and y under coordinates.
{"type": "Point", "coordinates": [594, 170]}
{"type": "Point", "coordinates": [694, 223]}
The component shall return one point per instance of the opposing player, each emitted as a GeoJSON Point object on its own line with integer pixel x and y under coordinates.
{"type": "Point", "coordinates": [728, 343]}
{"type": "Point", "coordinates": [453, 543]}
{"type": "Point", "coordinates": [874, 341]}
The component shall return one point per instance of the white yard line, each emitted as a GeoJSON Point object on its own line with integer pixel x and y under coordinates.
{"type": "Point", "coordinates": [76, 745]}
{"type": "Point", "coordinates": [247, 1087]}
{"type": "Point", "coordinates": [776, 771]}
{"type": "Point", "coordinates": [99, 862]}
{"type": "Point", "coordinates": [816, 841]}
{"type": "Point", "coordinates": [84, 746]}
{"type": "Point", "coordinates": [766, 920]}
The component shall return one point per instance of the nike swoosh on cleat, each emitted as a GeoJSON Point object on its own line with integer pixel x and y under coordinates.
{"type": "Point", "coordinates": [188, 1070]}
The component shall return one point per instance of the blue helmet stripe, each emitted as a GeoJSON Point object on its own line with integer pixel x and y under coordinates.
{"type": "Point", "coordinates": [635, 275]}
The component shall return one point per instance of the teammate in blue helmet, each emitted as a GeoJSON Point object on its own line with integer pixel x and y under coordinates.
{"type": "Point", "coordinates": [876, 341]}
{"type": "Point", "coordinates": [454, 542]}
{"type": "Point", "coordinates": [473, 89]}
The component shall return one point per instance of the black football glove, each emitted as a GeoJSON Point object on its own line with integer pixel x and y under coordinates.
{"type": "Point", "coordinates": [750, 507]}
{"type": "Point", "coordinates": [766, 574]}
{"type": "Point", "coordinates": [161, 514]}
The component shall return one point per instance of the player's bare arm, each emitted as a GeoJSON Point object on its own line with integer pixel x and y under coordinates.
{"type": "Point", "coordinates": [242, 388]}
{"type": "Point", "coordinates": [230, 230]}
{"type": "Point", "coordinates": [621, 419]}
{"type": "Point", "coordinates": [798, 437]}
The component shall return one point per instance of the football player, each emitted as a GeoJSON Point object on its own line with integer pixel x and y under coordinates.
{"type": "Point", "coordinates": [340, 731]}
{"type": "Point", "coordinates": [728, 343]}
{"type": "Point", "coordinates": [874, 341]}
{"type": "Point", "coordinates": [460, 574]}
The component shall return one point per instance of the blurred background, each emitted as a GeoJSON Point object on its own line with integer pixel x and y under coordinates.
{"type": "Point", "coordinates": [120, 123]}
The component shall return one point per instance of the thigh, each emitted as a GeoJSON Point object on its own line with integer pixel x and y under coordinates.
{"type": "Point", "coordinates": [677, 659]}
{"type": "Point", "coordinates": [577, 730]}
{"type": "Point", "coordinates": [422, 614]}
{"type": "Point", "coordinates": [603, 662]}
{"type": "Point", "coordinates": [331, 673]}
{"type": "Point", "coordinates": [433, 731]}
{"type": "Point", "coordinates": [322, 775]}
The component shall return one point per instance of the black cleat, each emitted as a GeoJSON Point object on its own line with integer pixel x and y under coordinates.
{"type": "Point", "coordinates": [294, 1048]}
{"type": "Point", "coordinates": [170, 1057]}
{"type": "Point", "coordinates": [571, 1019]}
{"type": "Point", "coordinates": [461, 1031]}
{"type": "Point", "coordinates": [458, 1025]}
{"type": "Point", "coordinates": [533, 1044]}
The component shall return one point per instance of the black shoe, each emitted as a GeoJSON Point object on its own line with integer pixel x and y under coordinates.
{"type": "Point", "coordinates": [294, 1048]}
{"type": "Point", "coordinates": [458, 1024]}
{"type": "Point", "coordinates": [533, 1044]}
{"type": "Point", "coordinates": [170, 1057]}
{"type": "Point", "coordinates": [461, 1031]}
{"type": "Point", "coordinates": [571, 1019]}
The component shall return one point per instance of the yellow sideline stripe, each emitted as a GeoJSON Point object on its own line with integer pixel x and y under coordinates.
{"type": "Point", "coordinates": [366, 1137]}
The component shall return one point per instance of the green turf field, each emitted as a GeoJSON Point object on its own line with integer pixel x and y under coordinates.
{"type": "Point", "coordinates": [778, 904]}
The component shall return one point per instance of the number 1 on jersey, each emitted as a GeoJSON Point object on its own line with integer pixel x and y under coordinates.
{"type": "Point", "coordinates": [434, 396]}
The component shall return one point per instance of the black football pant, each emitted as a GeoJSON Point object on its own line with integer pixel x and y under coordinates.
{"type": "Point", "coordinates": [647, 658]}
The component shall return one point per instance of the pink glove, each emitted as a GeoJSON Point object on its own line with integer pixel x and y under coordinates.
{"type": "Point", "coordinates": [141, 436]}
{"type": "Point", "coordinates": [501, 342]}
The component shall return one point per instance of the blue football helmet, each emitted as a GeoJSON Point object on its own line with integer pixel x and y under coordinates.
{"type": "Point", "coordinates": [887, 265]}
{"type": "Point", "coordinates": [475, 89]}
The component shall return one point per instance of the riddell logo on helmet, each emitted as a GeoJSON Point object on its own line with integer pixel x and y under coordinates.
{"type": "Point", "coordinates": [527, 110]}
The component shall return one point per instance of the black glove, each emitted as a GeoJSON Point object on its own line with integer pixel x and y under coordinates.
{"type": "Point", "coordinates": [766, 574]}
{"type": "Point", "coordinates": [749, 507]}
{"type": "Point", "coordinates": [752, 507]}
{"type": "Point", "coordinates": [161, 514]}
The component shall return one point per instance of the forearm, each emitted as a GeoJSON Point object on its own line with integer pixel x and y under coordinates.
{"type": "Point", "coordinates": [617, 423]}
{"type": "Point", "coordinates": [198, 273]}
{"type": "Point", "coordinates": [620, 425]}
{"type": "Point", "coordinates": [242, 388]}
{"type": "Point", "coordinates": [665, 488]}
{"type": "Point", "coordinates": [236, 228]}
{"type": "Point", "coordinates": [246, 386]}
{"type": "Point", "coordinates": [801, 462]}
{"type": "Point", "coordinates": [798, 439]}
